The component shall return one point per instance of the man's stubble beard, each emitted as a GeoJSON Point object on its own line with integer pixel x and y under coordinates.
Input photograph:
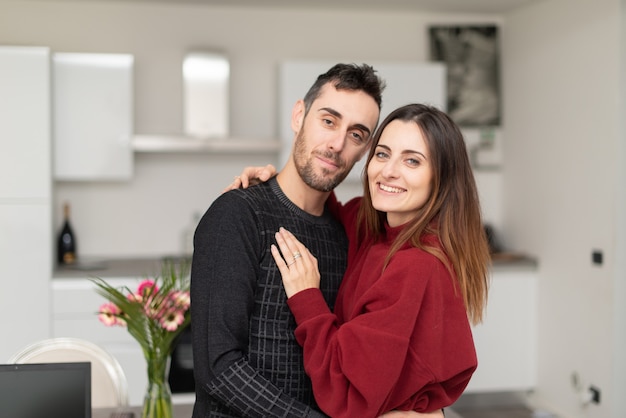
{"type": "Point", "coordinates": [304, 166]}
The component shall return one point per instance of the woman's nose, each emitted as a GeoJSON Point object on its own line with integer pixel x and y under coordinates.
{"type": "Point", "coordinates": [390, 169]}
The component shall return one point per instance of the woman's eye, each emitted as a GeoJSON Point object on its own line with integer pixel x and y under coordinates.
{"type": "Point", "coordinates": [413, 161]}
{"type": "Point", "coordinates": [381, 154]}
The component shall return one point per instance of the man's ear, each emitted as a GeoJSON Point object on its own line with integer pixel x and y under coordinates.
{"type": "Point", "coordinates": [297, 116]}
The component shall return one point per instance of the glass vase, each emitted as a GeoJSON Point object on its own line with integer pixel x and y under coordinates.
{"type": "Point", "coordinates": [158, 400]}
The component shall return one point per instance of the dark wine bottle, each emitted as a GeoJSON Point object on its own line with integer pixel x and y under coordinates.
{"type": "Point", "coordinates": [66, 245]}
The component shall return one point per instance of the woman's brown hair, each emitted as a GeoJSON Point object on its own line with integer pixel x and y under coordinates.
{"type": "Point", "coordinates": [452, 212]}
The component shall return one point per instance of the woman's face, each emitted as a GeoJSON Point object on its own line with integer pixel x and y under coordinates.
{"type": "Point", "coordinates": [400, 172]}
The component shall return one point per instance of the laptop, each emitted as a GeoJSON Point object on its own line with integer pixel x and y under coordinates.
{"type": "Point", "coordinates": [45, 390]}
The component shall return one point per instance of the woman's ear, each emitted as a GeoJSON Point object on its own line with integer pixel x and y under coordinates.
{"type": "Point", "coordinates": [297, 116]}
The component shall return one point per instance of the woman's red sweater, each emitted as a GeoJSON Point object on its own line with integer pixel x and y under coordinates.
{"type": "Point", "coordinates": [399, 338]}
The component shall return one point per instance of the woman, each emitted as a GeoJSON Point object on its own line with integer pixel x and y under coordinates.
{"type": "Point", "coordinates": [400, 336]}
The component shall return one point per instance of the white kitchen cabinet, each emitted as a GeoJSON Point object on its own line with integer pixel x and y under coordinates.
{"type": "Point", "coordinates": [93, 116]}
{"type": "Point", "coordinates": [25, 122]}
{"type": "Point", "coordinates": [25, 270]}
{"type": "Point", "coordinates": [506, 341]}
{"type": "Point", "coordinates": [75, 305]}
{"type": "Point", "coordinates": [25, 194]}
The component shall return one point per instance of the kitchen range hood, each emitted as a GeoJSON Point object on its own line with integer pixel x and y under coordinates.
{"type": "Point", "coordinates": [206, 78]}
{"type": "Point", "coordinates": [205, 91]}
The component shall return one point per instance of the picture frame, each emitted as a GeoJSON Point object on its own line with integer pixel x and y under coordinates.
{"type": "Point", "coordinates": [472, 59]}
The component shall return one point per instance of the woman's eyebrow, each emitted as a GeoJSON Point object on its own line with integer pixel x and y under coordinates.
{"type": "Point", "coordinates": [406, 151]}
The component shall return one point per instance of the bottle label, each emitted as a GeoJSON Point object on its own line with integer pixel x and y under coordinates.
{"type": "Point", "coordinates": [69, 258]}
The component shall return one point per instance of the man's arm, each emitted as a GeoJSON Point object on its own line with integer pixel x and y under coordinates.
{"type": "Point", "coordinates": [223, 280]}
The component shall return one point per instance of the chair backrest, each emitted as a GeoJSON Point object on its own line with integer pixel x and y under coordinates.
{"type": "Point", "coordinates": [109, 387]}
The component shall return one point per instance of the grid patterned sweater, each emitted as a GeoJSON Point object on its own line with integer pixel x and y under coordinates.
{"type": "Point", "coordinates": [247, 362]}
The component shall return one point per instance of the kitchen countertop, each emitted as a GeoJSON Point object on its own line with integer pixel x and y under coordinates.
{"type": "Point", "coordinates": [114, 267]}
{"type": "Point", "coordinates": [151, 266]}
{"type": "Point", "coordinates": [512, 261]}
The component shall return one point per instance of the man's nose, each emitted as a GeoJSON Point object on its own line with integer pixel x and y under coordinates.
{"type": "Point", "coordinates": [338, 141]}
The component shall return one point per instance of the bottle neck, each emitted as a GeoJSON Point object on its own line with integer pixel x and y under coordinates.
{"type": "Point", "coordinates": [66, 211]}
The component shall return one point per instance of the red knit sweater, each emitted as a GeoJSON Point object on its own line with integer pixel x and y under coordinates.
{"type": "Point", "coordinates": [398, 339]}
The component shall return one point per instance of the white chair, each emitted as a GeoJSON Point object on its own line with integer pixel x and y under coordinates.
{"type": "Point", "coordinates": [109, 387]}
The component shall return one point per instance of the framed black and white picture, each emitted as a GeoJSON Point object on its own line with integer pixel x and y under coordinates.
{"type": "Point", "coordinates": [471, 56]}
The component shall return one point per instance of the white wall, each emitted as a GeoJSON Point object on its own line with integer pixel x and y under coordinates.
{"type": "Point", "coordinates": [563, 120]}
{"type": "Point", "coordinates": [619, 299]}
{"type": "Point", "coordinates": [147, 215]}
{"type": "Point", "coordinates": [619, 325]}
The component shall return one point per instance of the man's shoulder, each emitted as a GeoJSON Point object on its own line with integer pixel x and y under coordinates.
{"type": "Point", "coordinates": [260, 194]}
{"type": "Point", "coordinates": [249, 206]}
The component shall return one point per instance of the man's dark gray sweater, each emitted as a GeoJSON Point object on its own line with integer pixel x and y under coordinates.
{"type": "Point", "coordinates": [247, 362]}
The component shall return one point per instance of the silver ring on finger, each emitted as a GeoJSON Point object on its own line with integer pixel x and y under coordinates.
{"type": "Point", "coordinates": [296, 255]}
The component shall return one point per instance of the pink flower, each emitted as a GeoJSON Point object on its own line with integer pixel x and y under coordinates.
{"type": "Point", "coordinates": [154, 313]}
{"type": "Point", "coordinates": [134, 297]}
{"type": "Point", "coordinates": [146, 288]}
{"type": "Point", "coordinates": [181, 299]}
{"type": "Point", "coordinates": [172, 320]}
{"type": "Point", "coordinates": [109, 315]}
{"type": "Point", "coordinates": [175, 303]}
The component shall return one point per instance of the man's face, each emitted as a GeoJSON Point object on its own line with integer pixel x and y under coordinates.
{"type": "Point", "coordinates": [333, 136]}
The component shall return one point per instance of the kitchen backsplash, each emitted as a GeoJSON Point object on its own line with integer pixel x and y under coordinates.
{"type": "Point", "coordinates": [149, 214]}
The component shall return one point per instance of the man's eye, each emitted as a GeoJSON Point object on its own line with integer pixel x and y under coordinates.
{"type": "Point", "coordinates": [358, 137]}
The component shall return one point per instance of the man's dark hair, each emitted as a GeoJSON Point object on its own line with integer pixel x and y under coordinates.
{"type": "Point", "coordinates": [348, 77]}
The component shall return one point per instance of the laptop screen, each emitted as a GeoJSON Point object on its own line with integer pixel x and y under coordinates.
{"type": "Point", "coordinates": [51, 390]}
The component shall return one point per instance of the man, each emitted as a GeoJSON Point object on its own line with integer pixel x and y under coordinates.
{"type": "Point", "coordinates": [246, 359]}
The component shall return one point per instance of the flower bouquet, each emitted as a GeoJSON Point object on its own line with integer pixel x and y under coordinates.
{"type": "Point", "coordinates": [155, 314]}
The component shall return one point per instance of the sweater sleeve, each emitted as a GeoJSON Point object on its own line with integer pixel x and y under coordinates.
{"type": "Point", "coordinates": [401, 351]}
{"type": "Point", "coordinates": [223, 279]}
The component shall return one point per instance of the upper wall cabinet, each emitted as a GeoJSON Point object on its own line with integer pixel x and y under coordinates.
{"type": "Point", "coordinates": [93, 116]}
{"type": "Point", "coordinates": [24, 122]}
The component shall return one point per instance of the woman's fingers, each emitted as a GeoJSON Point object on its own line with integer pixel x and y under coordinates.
{"type": "Point", "coordinates": [297, 265]}
{"type": "Point", "coordinates": [265, 173]}
{"type": "Point", "coordinates": [250, 176]}
{"type": "Point", "coordinates": [294, 252]}
{"type": "Point", "coordinates": [285, 255]}
{"type": "Point", "coordinates": [235, 184]}
{"type": "Point", "coordinates": [280, 262]}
